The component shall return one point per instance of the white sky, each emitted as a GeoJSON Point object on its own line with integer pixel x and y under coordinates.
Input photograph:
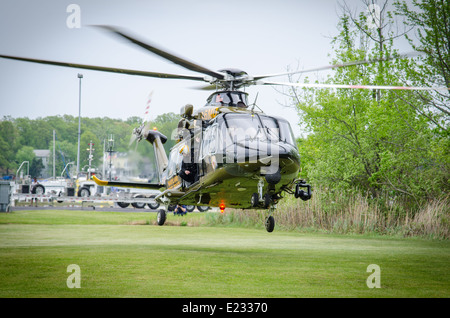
{"type": "Point", "coordinates": [260, 37]}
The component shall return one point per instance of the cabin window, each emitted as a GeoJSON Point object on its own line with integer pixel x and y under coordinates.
{"type": "Point", "coordinates": [175, 159]}
{"type": "Point", "coordinates": [209, 141]}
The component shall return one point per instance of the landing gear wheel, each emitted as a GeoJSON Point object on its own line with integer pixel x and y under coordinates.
{"type": "Point", "coordinates": [267, 200]}
{"type": "Point", "coordinates": [161, 217]}
{"type": "Point", "coordinates": [190, 208]}
{"type": "Point", "coordinates": [202, 208]}
{"type": "Point", "coordinates": [270, 224]}
{"type": "Point", "coordinates": [255, 200]}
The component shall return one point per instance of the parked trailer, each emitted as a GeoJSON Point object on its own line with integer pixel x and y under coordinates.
{"type": "Point", "coordinates": [123, 201]}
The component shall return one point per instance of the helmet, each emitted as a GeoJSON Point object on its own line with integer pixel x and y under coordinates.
{"type": "Point", "coordinates": [184, 150]}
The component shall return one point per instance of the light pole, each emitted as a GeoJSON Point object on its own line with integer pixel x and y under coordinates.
{"type": "Point", "coordinates": [80, 76]}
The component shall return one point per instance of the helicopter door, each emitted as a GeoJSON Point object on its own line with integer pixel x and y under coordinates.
{"type": "Point", "coordinates": [173, 180]}
{"type": "Point", "coordinates": [209, 148]}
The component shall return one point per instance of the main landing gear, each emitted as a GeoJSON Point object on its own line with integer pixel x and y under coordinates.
{"type": "Point", "coordinates": [262, 200]}
{"type": "Point", "coordinates": [268, 200]}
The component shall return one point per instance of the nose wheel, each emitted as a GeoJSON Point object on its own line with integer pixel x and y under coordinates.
{"type": "Point", "coordinates": [270, 224]}
{"type": "Point", "coordinates": [161, 217]}
{"type": "Point", "coordinates": [266, 201]}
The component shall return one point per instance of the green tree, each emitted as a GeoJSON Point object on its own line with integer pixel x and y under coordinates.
{"type": "Point", "coordinates": [25, 154]}
{"type": "Point", "coordinates": [5, 157]}
{"type": "Point", "coordinates": [36, 167]}
{"type": "Point", "coordinates": [430, 23]}
{"type": "Point", "coordinates": [9, 144]}
{"type": "Point", "coordinates": [370, 141]}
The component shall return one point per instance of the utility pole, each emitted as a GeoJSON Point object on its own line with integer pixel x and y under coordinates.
{"type": "Point", "coordinates": [54, 161]}
{"type": "Point", "coordinates": [110, 151]}
{"type": "Point", "coordinates": [104, 163]}
{"type": "Point", "coordinates": [80, 76]}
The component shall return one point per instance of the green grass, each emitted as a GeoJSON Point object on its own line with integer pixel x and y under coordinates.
{"type": "Point", "coordinates": [120, 256]}
{"type": "Point", "coordinates": [93, 217]}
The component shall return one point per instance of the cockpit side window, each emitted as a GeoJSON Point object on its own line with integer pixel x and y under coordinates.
{"type": "Point", "coordinates": [174, 162]}
{"type": "Point", "coordinates": [210, 141]}
{"type": "Point", "coordinates": [271, 128]}
{"type": "Point", "coordinates": [286, 133]}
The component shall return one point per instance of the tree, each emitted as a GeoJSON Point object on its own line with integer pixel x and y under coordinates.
{"type": "Point", "coordinates": [25, 154]}
{"type": "Point", "coordinates": [5, 156]}
{"type": "Point", "coordinates": [9, 143]}
{"type": "Point", "coordinates": [430, 20]}
{"type": "Point", "coordinates": [36, 167]}
{"type": "Point", "coordinates": [38, 134]}
{"type": "Point", "coordinates": [370, 141]}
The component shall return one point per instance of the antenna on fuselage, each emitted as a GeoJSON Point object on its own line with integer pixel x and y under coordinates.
{"type": "Point", "coordinates": [254, 104]}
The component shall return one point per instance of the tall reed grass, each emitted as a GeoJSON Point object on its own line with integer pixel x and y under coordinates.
{"type": "Point", "coordinates": [336, 212]}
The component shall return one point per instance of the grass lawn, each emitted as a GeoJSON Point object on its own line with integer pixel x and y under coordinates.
{"type": "Point", "coordinates": [122, 254]}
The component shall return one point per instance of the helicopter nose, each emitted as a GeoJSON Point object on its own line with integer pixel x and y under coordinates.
{"type": "Point", "coordinates": [283, 158]}
{"type": "Point", "coordinates": [270, 160]}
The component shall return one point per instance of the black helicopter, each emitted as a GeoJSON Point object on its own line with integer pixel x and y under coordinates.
{"type": "Point", "coordinates": [239, 157]}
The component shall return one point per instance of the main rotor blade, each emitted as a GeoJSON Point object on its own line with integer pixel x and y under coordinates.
{"type": "Point", "coordinates": [206, 88]}
{"type": "Point", "coordinates": [106, 69]}
{"type": "Point", "coordinates": [164, 54]}
{"type": "Point", "coordinates": [439, 88]}
{"type": "Point", "coordinates": [328, 67]}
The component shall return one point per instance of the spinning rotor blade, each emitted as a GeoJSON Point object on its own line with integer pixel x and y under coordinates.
{"type": "Point", "coordinates": [133, 138]}
{"type": "Point", "coordinates": [206, 88]}
{"type": "Point", "coordinates": [328, 67]}
{"type": "Point", "coordinates": [139, 132]}
{"type": "Point", "coordinates": [440, 88]}
{"type": "Point", "coordinates": [106, 69]}
{"type": "Point", "coordinates": [164, 54]}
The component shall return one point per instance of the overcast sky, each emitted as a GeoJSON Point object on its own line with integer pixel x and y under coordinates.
{"type": "Point", "coordinates": [260, 37]}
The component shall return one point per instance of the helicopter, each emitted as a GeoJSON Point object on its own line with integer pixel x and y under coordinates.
{"type": "Point", "coordinates": [239, 156]}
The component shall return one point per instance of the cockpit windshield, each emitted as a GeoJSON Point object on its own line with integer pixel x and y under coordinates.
{"type": "Point", "coordinates": [240, 127]}
{"type": "Point", "coordinates": [228, 98]}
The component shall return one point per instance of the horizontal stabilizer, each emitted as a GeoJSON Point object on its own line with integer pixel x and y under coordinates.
{"type": "Point", "coordinates": [136, 185]}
